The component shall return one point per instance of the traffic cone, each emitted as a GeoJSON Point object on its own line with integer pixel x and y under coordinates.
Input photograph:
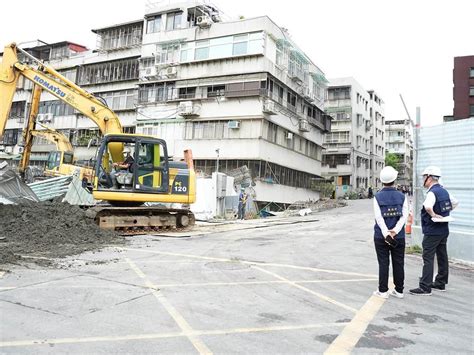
{"type": "Point", "coordinates": [409, 223]}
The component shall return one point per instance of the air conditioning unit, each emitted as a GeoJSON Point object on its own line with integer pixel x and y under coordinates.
{"type": "Point", "coordinates": [188, 108]}
{"type": "Point", "coordinates": [204, 21]}
{"type": "Point", "coordinates": [269, 108]}
{"type": "Point", "coordinates": [303, 126]}
{"type": "Point", "coordinates": [289, 136]}
{"type": "Point", "coordinates": [233, 124]}
{"type": "Point", "coordinates": [9, 149]}
{"type": "Point", "coordinates": [171, 72]}
{"type": "Point", "coordinates": [44, 117]}
{"type": "Point", "coordinates": [308, 95]}
{"type": "Point", "coordinates": [149, 72]}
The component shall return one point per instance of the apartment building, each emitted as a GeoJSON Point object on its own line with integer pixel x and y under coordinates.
{"type": "Point", "coordinates": [235, 92]}
{"type": "Point", "coordinates": [399, 141]}
{"type": "Point", "coordinates": [354, 149]}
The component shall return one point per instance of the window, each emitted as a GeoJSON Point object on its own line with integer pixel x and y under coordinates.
{"type": "Point", "coordinates": [156, 93]}
{"type": "Point", "coordinates": [471, 107]}
{"type": "Point", "coordinates": [222, 47]}
{"type": "Point", "coordinates": [120, 100]}
{"type": "Point", "coordinates": [471, 91]}
{"type": "Point", "coordinates": [153, 24]}
{"type": "Point", "coordinates": [119, 70]}
{"type": "Point", "coordinates": [216, 90]}
{"type": "Point", "coordinates": [339, 93]}
{"type": "Point", "coordinates": [202, 50]}
{"type": "Point", "coordinates": [173, 20]}
{"type": "Point", "coordinates": [471, 73]}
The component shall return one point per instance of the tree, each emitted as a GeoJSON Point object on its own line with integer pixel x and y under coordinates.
{"type": "Point", "coordinates": [391, 159]}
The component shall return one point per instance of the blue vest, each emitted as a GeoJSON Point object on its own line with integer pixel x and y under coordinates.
{"type": "Point", "coordinates": [391, 206]}
{"type": "Point", "coordinates": [442, 207]}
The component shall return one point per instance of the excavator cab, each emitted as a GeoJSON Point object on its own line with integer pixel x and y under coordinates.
{"type": "Point", "coordinates": [142, 169]}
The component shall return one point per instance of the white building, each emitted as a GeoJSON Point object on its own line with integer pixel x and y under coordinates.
{"type": "Point", "coordinates": [355, 147]}
{"type": "Point", "coordinates": [399, 141]}
{"type": "Point", "coordinates": [235, 92]}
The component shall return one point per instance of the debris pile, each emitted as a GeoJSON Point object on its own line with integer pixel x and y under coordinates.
{"type": "Point", "coordinates": [35, 231]}
{"type": "Point", "coordinates": [306, 207]}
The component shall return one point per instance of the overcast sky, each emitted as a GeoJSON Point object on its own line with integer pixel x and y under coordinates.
{"type": "Point", "coordinates": [402, 46]}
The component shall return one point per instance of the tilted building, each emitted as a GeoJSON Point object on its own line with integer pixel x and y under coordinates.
{"type": "Point", "coordinates": [238, 93]}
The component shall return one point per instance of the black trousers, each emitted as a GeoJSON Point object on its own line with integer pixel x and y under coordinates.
{"type": "Point", "coordinates": [384, 251]}
{"type": "Point", "coordinates": [434, 245]}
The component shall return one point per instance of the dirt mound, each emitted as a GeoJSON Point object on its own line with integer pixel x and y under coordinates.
{"type": "Point", "coordinates": [50, 230]}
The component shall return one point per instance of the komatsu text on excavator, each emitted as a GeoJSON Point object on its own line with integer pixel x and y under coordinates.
{"type": "Point", "coordinates": [130, 169]}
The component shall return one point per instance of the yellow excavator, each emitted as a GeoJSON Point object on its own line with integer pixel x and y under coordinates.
{"type": "Point", "coordinates": [61, 161]}
{"type": "Point", "coordinates": [144, 174]}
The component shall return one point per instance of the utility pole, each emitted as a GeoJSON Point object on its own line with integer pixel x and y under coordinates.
{"type": "Point", "coordinates": [417, 189]}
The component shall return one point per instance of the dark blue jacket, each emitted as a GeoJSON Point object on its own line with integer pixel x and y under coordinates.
{"type": "Point", "coordinates": [441, 207]}
{"type": "Point", "coordinates": [391, 206]}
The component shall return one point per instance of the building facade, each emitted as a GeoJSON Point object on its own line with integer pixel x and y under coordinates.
{"type": "Point", "coordinates": [399, 141]}
{"type": "Point", "coordinates": [354, 149]}
{"type": "Point", "coordinates": [235, 92]}
{"type": "Point", "coordinates": [463, 90]}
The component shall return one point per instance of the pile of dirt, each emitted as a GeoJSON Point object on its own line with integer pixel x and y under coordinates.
{"type": "Point", "coordinates": [48, 230]}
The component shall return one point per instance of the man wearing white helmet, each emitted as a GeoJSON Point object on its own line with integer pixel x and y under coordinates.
{"type": "Point", "coordinates": [391, 212]}
{"type": "Point", "coordinates": [437, 206]}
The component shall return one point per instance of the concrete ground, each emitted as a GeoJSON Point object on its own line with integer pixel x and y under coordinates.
{"type": "Point", "coordinates": [301, 287]}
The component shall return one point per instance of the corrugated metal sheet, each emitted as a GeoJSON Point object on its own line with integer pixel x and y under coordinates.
{"type": "Point", "coordinates": [51, 188]}
{"type": "Point", "coordinates": [451, 147]}
{"type": "Point", "coordinates": [12, 189]}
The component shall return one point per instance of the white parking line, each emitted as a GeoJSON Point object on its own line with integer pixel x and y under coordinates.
{"type": "Point", "coordinates": [254, 263]}
{"type": "Point", "coordinates": [350, 335]}
{"type": "Point", "coordinates": [317, 294]}
{"type": "Point", "coordinates": [196, 333]}
{"type": "Point", "coordinates": [173, 312]}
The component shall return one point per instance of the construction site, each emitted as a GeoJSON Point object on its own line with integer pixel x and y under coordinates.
{"type": "Point", "coordinates": [195, 184]}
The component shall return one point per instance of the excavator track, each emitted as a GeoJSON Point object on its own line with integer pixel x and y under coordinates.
{"type": "Point", "coordinates": [142, 220]}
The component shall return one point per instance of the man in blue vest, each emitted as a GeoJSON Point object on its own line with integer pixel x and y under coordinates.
{"type": "Point", "coordinates": [391, 212]}
{"type": "Point", "coordinates": [434, 224]}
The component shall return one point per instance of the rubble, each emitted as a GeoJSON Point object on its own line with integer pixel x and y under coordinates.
{"type": "Point", "coordinates": [41, 230]}
{"type": "Point", "coordinates": [304, 208]}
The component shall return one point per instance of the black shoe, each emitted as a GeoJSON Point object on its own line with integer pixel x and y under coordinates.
{"type": "Point", "coordinates": [420, 292]}
{"type": "Point", "coordinates": [438, 287]}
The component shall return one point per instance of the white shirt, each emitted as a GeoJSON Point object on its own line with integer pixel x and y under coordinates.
{"type": "Point", "coordinates": [430, 200]}
{"type": "Point", "coordinates": [381, 222]}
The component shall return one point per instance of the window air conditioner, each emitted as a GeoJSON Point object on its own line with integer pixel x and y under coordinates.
{"type": "Point", "coordinates": [9, 149]}
{"type": "Point", "coordinates": [233, 124]}
{"type": "Point", "coordinates": [269, 108]}
{"type": "Point", "coordinates": [204, 21]}
{"type": "Point", "coordinates": [303, 126]}
{"type": "Point", "coordinates": [289, 136]}
{"type": "Point", "coordinates": [44, 117]}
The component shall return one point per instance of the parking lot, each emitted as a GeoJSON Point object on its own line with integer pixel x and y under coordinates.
{"type": "Point", "coordinates": [303, 286]}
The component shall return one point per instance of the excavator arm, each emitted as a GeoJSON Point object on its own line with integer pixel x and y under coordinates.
{"type": "Point", "coordinates": [65, 90]}
{"type": "Point", "coordinates": [53, 136]}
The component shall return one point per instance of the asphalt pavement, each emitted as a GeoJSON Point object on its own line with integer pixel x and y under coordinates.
{"type": "Point", "coordinates": [297, 285]}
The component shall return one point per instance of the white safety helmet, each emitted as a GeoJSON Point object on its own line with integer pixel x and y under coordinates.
{"type": "Point", "coordinates": [432, 171]}
{"type": "Point", "coordinates": [388, 175]}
